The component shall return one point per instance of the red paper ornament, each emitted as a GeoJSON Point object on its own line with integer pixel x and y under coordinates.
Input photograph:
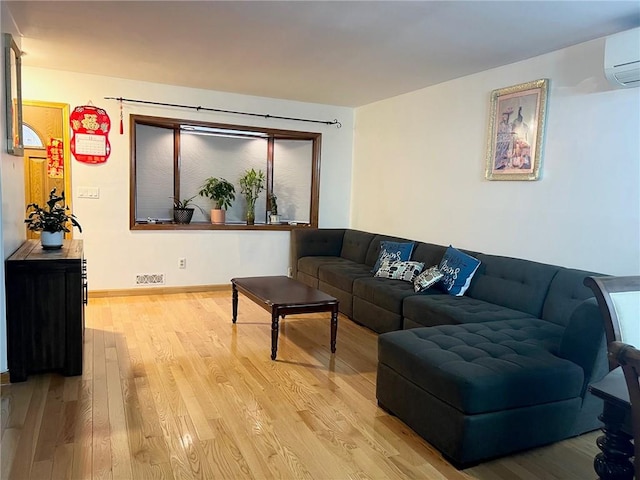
{"type": "Point", "coordinates": [55, 158]}
{"type": "Point", "coordinates": [90, 141]}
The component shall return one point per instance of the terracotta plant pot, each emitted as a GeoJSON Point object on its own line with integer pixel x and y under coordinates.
{"type": "Point", "coordinates": [218, 215]}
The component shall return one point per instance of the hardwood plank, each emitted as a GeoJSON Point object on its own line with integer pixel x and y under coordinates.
{"type": "Point", "coordinates": [120, 454]}
{"type": "Point", "coordinates": [100, 439]}
{"type": "Point", "coordinates": [172, 389]}
{"type": "Point", "coordinates": [82, 465]}
{"type": "Point", "coordinates": [63, 461]}
{"type": "Point", "coordinates": [53, 408]}
{"type": "Point", "coordinates": [23, 461]}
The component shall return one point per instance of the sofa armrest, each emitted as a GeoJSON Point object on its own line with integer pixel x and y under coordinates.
{"type": "Point", "coordinates": [307, 242]}
{"type": "Point", "coordinates": [583, 341]}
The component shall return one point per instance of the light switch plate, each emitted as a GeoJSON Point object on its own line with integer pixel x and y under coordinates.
{"type": "Point", "coordinates": [88, 192]}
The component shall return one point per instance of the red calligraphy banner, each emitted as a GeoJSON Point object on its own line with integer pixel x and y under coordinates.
{"type": "Point", "coordinates": [55, 158]}
{"type": "Point", "coordinates": [90, 141]}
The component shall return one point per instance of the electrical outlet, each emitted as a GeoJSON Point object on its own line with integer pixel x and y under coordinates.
{"type": "Point", "coordinates": [182, 262]}
{"type": "Point", "coordinates": [290, 272]}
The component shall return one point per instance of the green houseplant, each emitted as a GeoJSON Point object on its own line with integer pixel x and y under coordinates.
{"type": "Point", "coordinates": [52, 220]}
{"type": "Point", "coordinates": [182, 209]}
{"type": "Point", "coordinates": [222, 193]}
{"type": "Point", "coordinates": [251, 184]}
{"type": "Point", "coordinates": [273, 208]}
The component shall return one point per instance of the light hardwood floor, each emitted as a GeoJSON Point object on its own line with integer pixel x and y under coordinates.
{"type": "Point", "coordinates": [172, 389]}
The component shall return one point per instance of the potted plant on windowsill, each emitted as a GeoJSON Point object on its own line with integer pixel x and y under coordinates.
{"type": "Point", "coordinates": [273, 207]}
{"type": "Point", "coordinates": [251, 184]}
{"type": "Point", "coordinates": [52, 221]}
{"type": "Point", "coordinates": [182, 209]}
{"type": "Point", "coordinates": [222, 193]}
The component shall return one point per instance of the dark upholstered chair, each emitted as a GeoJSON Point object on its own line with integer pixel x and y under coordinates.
{"type": "Point", "coordinates": [619, 301]}
{"type": "Point", "coordinates": [629, 358]}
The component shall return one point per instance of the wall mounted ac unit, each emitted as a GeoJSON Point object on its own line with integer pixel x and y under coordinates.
{"type": "Point", "coordinates": [622, 58]}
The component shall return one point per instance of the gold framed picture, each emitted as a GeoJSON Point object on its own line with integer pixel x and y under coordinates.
{"type": "Point", "coordinates": [13, 95]}
{"type": "Point", "coordinates": [516, 131]}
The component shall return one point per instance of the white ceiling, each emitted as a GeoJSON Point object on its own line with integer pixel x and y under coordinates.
{"type": "Point", "coordinates": [337, 52]}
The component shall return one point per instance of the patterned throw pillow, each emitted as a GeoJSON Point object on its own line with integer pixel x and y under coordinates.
{"type": "Point", "coordinates": [458, 269]}
{"type": "Point", "coordinates": [393, 252]}
{"type": "Point", "coordinates": [426, 279]}
{"type": "Point", "coordinates": [406, 271]}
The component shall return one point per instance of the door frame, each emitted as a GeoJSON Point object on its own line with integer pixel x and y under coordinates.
{"type": "Point", "coordinates": [66, 139]}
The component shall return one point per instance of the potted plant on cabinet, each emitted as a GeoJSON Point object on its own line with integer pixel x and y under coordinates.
{"type": "Point", "coordinates": [51, 221]}
{"type": "Point", "coordinates": [222, 193]}
{"type": "Point", "coordinates": [251, 184]}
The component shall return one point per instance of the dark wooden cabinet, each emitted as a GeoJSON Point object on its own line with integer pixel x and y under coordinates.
{"type": "Point", "coordinates": [46, 291]}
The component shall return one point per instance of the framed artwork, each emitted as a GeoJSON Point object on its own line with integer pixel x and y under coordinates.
{"type": "Point", "coordinates": [516, 131]}
{"type": "Point", "coordinates": [13, 95]}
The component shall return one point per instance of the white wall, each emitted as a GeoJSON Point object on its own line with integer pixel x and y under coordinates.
{"type": "Point", "coordinates": [12, 228]}
{"type": "Point", "coordinates": [419, 168]}
{"type": "Point", "coordinates": [114, 253]}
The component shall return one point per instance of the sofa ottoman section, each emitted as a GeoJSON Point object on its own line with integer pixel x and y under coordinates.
{"type": "Point", "coordinates": [476, 371]}
{"type": "Point", "coordinates": [466, 440]}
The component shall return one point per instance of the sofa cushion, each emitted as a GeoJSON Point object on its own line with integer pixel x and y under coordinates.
{"type": "Point", "coordinates": [566, 292]}
{"type": "Point", "coordinates": [373, 252]}
{"type": "Point", "coordinates": [584, 342]}
{"type": "Point", "coordinates": [393, 252]}
{"type": "Point", "coordinates": [406, 271]}
{"type": "Point", "coordinates": [441, 309]}
{"type": "Point", "coordinates": [458, 269]}
{"type": "Point", "coordinates": [355, 245]}
{"type": "Point", "coordinates": [427, 279]}
{"type": "Point", "coordinates": [489, 367]}
{"type": "Point", "coordinates": [383, 292]}
{"type": "Point", "coordinates": [341, 275]}
{"type": "Point", "coordinates": [311, 265]}
{"type": "Point", "coordinates": [428, 253]}
{"type": "Point", "coordinates": [314, 242]}
{"type": "Point", "coordinates": [512, 282]}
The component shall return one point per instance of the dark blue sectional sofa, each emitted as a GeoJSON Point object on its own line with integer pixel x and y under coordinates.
{"type": "Point", "coordinates": [501, 369]}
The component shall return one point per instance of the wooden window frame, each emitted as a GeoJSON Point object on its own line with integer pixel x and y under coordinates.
{"type": "Point", "coordinates": [272, 135]}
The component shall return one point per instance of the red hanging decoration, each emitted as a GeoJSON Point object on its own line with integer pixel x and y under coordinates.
{"type": "Point", "coordinates": [121, 124]}
{"type": "Point", "coordinates": [90, 141]}
{"type": "Point", "coordinates": [55, 158]}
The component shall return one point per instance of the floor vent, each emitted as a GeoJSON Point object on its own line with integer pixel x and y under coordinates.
{"type": "Point", "coordinates": [150, 279]}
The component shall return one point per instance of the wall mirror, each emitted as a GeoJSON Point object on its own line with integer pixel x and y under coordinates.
{"type": "Point", "coordinates": [13, 95]}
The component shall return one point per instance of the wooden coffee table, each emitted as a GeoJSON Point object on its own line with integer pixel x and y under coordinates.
{"type": "Point", "coordinates": [284, 296]}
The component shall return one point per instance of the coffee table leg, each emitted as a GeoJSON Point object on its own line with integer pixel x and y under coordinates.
{"type": "Point", "coordinates": [275, 319]}
{"type": "Point", "coordinates": [334, 328]}
{"type": "Point", "coordinates": [234, 302]}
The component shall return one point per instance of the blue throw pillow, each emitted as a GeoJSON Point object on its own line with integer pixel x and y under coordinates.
{"type": "Point", "coordinates": [393, 252]}
{"type": "Point", "coordinates": [458, 269]}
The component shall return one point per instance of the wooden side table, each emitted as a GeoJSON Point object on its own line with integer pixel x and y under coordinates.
{"type": "Point", "coordinates": [613, 463]}
{"type": "Point", "coordinates": [46, 291]}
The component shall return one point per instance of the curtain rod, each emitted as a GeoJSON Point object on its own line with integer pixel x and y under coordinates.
{"type": "Point", "coordinates": [199, 108]}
